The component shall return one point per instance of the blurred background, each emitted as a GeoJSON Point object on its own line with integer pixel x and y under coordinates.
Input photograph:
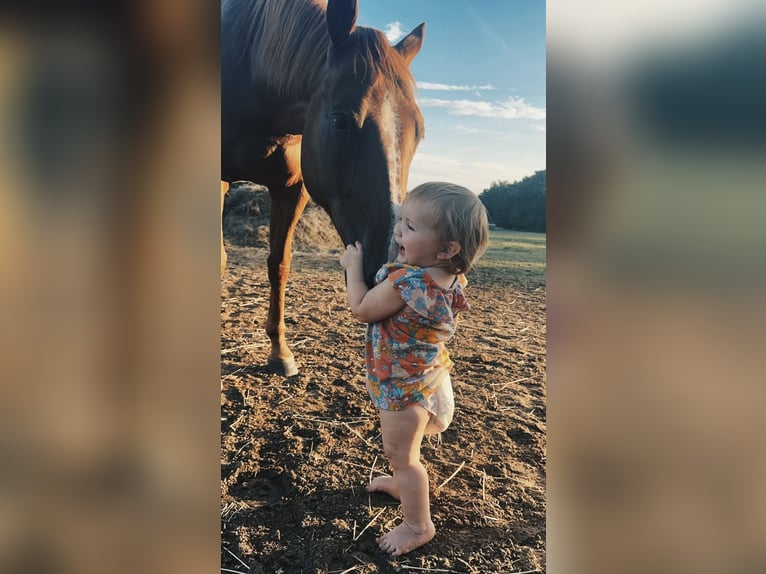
{"type": "Point", "coordinates": [656, 140]}
{"type": "Point", "coordinates": [109, 248]}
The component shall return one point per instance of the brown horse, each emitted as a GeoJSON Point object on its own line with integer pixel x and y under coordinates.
{"type": "Point", "coordinates": [312, 105]}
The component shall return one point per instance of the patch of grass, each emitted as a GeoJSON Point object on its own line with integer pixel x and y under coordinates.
{"type": "Point", "coordinates": [513, 258]}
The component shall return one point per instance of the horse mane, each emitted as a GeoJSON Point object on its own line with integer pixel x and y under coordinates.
{"type": "Point", "coordinates": [377, 58]}
{"type": "Point", "coordinates": [284, 41]}
{"type": "Point", "coordinates": [286, 44]}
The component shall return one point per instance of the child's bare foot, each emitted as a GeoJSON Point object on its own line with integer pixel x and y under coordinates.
{"type": "Point", "coordinates": [404, 538]}
{"type": "Point", "coordinates": [385, 484]}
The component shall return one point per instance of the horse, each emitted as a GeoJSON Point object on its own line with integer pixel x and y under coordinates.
{"type": "Point", "coordinates": [314, 106]}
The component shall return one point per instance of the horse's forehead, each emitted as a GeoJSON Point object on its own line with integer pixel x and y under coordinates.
{"type": "Point", "coordinates": [371, 79]}
{"type": "Point", "coordinates": [378, 88]}
{"type": "Point", "coordinates": [371, 96]}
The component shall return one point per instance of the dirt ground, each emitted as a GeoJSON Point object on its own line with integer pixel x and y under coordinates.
{"type": "Point", "coordinates": [296, 453]}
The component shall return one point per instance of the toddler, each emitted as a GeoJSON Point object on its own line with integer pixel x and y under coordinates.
{"type": "Point", "coordinates": [411, 314]}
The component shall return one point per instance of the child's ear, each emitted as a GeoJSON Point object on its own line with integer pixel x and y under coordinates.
{"type": "Point", "coordinates": [448, 250]}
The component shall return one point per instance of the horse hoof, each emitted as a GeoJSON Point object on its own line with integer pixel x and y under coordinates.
{"type": "Point", "coordinates": [284, 367]}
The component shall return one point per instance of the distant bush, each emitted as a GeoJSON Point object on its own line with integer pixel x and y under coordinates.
{"type": "Point", "coordinates": [519, 206]}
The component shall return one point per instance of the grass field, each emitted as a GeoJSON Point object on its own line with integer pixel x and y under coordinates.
{"type": "Point", "coordinates": [515, 258]}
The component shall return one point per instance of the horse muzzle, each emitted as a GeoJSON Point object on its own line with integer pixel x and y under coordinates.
{"type": "Point", "coordinates": [380, 250]}
{"type": "Point", "coordinates": [393, 246]}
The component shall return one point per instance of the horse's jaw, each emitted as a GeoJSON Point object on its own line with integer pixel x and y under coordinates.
{"type": "Point", "coordinates": [393, 246]}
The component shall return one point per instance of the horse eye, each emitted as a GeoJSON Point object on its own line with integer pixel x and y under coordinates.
{"type": "Point", "coordinates": [340, 122]}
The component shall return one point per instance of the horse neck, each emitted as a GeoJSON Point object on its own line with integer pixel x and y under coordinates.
{"type": "Point", "coordinates": [284, 42]}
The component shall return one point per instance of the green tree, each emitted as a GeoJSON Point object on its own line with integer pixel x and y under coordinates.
{"type": "Point", "coordinates": [519, 206]}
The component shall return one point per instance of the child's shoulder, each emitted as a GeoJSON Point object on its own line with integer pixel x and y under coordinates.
{"type": "Point", "coordinates": [397, 270]}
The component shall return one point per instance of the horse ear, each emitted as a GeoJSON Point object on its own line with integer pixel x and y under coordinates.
{"type": "Point", "coordinates": [409, 46]}
{"type": "Point", "coordinates": [341, 17]}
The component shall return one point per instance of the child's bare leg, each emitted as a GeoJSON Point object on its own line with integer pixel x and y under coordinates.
{"type": "Point", "coordinates": [402, 434]}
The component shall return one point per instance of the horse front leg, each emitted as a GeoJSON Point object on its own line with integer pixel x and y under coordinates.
{"type": "Point", "coordinates": [286, 208]}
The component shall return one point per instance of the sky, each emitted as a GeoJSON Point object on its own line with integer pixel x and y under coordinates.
{"type": "Point", "coordinates": [481, 86]}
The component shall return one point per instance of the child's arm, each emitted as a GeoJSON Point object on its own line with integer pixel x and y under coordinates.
{"type": "Point", "coordinates": [367, 305]}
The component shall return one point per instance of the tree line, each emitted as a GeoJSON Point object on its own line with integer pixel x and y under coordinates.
{"type": "Point", "coordinates": [519, 206]}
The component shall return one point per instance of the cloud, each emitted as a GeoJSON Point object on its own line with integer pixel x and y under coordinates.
{"type": "Point", "coordinates": [452, 88]}
{"type": "Point", "coordinates": [394, 31]}
{"type": "Point", "coordinates": [511, 109]}
{"type": "Point", "coordinates": [473, 130]}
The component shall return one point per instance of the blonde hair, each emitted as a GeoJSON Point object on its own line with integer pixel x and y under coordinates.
{"type": "Point", "coordinates": [457, 215]}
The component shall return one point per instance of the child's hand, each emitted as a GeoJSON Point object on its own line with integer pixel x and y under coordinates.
{"type": "Point", "coordinates": [353, 255]}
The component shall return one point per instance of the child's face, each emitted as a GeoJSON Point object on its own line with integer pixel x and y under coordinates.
{"type": "Point", "coordinates": [418, 241]}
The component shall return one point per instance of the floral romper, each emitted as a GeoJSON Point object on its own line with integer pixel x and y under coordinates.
{"type": "Point", "coordinates": [407, 362]}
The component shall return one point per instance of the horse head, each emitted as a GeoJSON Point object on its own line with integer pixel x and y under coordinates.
{"type": "Point", "coordinates": [362, 129]}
